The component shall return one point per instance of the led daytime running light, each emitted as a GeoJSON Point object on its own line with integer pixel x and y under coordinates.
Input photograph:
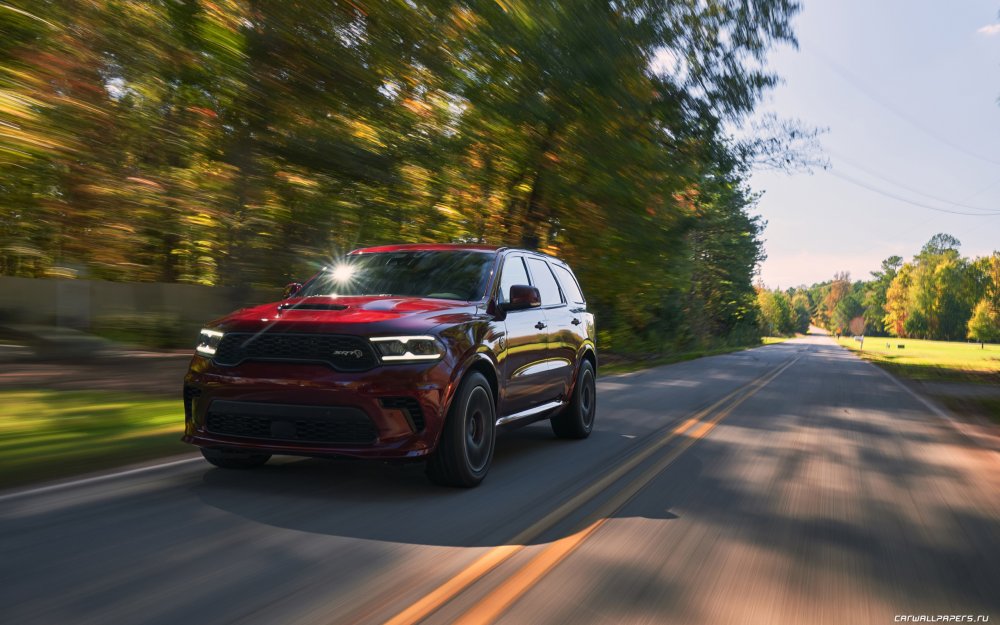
{"type": "Point", "coordinates": [407, 355]}
{"type": "Point", "coordinates": [208, 342]}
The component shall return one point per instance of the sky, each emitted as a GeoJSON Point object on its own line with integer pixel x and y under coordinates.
{"type": "Point", "coordinates": [908, 92]}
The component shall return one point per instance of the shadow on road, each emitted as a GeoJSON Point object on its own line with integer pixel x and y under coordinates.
{"type": "Point", "coordinates": [396, 502]}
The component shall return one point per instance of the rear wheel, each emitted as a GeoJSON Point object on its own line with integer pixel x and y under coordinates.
{"type": "Point", "coordinates": [465, 451]}
{"type": "Point", "coordinates": [227, 459]}
{"type": "Point", "coordinates": [577, 419]}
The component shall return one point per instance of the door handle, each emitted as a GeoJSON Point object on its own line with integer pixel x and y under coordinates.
{"type": "Point", "coordinates": [539, 326]}
{"type": "Point", "coordinates": [575, 321]}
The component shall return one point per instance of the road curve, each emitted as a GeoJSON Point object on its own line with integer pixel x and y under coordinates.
{"type": "Point", "coordinates": [792, 483]}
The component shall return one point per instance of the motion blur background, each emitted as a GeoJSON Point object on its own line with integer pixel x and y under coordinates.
{"type": "Point", "coordinates": [163, 162]}
{"type": "Point", "coordinates": [243, 144]}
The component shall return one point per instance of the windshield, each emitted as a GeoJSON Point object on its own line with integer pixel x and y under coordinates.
{"type": "Point", "coordinates": [457, 275]}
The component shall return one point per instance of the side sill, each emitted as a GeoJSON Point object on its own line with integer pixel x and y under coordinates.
{"type": "Point", "coordinates": [530, 412]}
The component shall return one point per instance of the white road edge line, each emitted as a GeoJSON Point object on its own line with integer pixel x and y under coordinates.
{"type": "Point", "coordinates": [959, 427]}
{"type": "Point", "coordinates": [92, 480]}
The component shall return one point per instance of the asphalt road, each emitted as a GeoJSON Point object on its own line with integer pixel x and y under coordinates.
{"type": "Point", "coordinates": [792, 483]}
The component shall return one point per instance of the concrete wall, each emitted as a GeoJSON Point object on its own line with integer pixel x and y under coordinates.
{"type": "Point", "coordinates": [82, 303]}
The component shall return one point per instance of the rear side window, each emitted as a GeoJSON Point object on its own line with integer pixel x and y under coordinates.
{"type": "Point", "coordinates": [513, 273]}
{"type": "Point", "coordinates": [545, 282]}
{"type": "Point", "coordinates": [569, 284]}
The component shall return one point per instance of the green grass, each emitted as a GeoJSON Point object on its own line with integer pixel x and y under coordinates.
{"type": "Point", "coordinates": [932, 360]}
{"type": "Point", "coordinates": [47, 434]}
{"type": "Point", "coordinates": [771, 340]}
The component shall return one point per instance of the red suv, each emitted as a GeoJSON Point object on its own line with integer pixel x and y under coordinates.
{"type": "Point", "coordinates": [398, 352]}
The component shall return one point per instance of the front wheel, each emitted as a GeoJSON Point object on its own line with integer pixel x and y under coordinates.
{"type": "Point", "coordinates": [226, 459]}
{"type": "Point", "coordinates": [577, 419]}
{"type": "Point", "coordinates": [465, 451]}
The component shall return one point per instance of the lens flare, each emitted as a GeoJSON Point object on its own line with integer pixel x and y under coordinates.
{"type": "Point", "coordinates": [342, 273]}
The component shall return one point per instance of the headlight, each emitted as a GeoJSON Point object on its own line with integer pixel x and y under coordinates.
{"type": "Point", "coordinates": [407, 348]}
{"type": "Point", "coordinates": [208, 342]}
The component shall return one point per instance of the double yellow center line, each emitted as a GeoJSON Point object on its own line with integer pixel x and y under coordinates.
{"type": "Point", "coordinates": [498, 600]}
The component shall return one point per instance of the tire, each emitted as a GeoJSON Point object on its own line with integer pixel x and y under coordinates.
{"type": "Point", "coordinates": [226, 459]}
{"type": "Point", "coordinates": [465, 449]}
{"type": "Point", "coordinates": [577, 419]}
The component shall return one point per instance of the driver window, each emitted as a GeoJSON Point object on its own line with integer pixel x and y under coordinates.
{"type": "Point", "coordinates": [513, 273]}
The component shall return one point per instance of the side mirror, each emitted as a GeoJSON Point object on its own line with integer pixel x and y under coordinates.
{"type": "Point", "coordinates": [522, 297]}
{"type": "Point", "coordinates": [291, 290]}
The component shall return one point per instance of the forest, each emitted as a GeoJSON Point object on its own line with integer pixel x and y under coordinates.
{"type": "Point", "coordinates": [939, 295]}
{"type": "Point", "coordinates": [245, 143]}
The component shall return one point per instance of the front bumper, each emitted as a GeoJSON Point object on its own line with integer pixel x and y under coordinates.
{"type": "Point", "coordinates": [391, 412]}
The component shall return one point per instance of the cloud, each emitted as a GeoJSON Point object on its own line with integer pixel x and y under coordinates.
{"type": "Point", "coordinates": [989, 30]}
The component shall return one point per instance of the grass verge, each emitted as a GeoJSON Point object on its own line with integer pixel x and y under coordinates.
{"type": "Point", "coordinates": [939, 361]}
{"type": "Point", "coordinates": [771, 340]}
{"type": "Point", "coordinates": [49, 434]}
{"type": "Point", "coordinates": [952, 369]}
{"type": "Point", "coordinates": [612, 364]}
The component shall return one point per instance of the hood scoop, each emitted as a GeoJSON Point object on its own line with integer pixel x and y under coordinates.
{"type": "Point", "coordinates": [312, 306]}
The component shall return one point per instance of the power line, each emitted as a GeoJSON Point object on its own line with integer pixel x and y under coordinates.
{"type": "Point", "coordinates": [899, 198]}
{"type": "Point", "coordinates": [982, 209]}
{"type": "Point", "coordinates": [857, 84]}
{"type": "Point", "coordinates": [983, 190]}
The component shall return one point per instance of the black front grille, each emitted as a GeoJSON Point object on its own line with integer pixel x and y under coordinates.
{"type": "Point", "coordinates": [343, 353]}
{"type": "Point", "coordinates": [302, 424]}
{"type": "Point", "coordinates": [410, 406]}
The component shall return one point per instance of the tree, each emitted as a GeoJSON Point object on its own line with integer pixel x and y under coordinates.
{"type": "Point", "coordinates": [838, 289]}
{"type": "Point", "coordinates": [775, 312]}
{"type": "Point", "coordinates": [939, 303]}
{"type": "Point", "coordinates": [848, 309]}
{"type": "Point", "coordinates": [940, 244]}
{"type": "Point", "coordinates": [874, 298]}
{"type": "Point", "coordinates": [984, 325]}
{"type": "Point", "coordinates": [897, 299]}
{"type": "Point", "coordinates": [801, 311]}
{"type": "Point", "coordinates": [930, 297]}
{"type": "Point", "coordinates": [245, 143]}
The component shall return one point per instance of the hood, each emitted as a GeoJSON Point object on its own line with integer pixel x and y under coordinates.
{"type": "Point", "coordinates": [348, 315]}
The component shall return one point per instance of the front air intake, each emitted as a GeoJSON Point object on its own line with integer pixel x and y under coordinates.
{"type": "Point", "coordinates": [291, 423]}
{"type": "Point", "coordinates": [410, 406]}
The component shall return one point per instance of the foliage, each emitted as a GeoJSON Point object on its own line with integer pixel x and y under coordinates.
{"type": "Point", "coordinates": [776, 314]}
{"type": "Point", "coordinates": [245, 143]}
{"type": "Point", "coordinates": [837, 290]}
{"type": "Point", "coordinates": [848, 310]}
{"type": "Point", "coordinates": [938, 305]}
{"type": "Point", "coordinates": [801, 311]}
{"type": "Point", "coordinates": [876, 296]}
{"type": "Point", "coordinates": [896, 301]}
{"type": "Point", "coordinates": [984, 325]}
{"type": "Point", "coordinates": [937, 295]}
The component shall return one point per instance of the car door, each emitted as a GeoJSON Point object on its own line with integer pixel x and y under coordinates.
{"type": "Point", "coordinates": [528, 379]}
{"type": "Point", "coordinates": [562, 336]}
{"type": "Point", "coordinates": [571, 326]}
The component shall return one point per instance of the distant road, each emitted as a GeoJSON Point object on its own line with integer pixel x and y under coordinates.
{"type": "Point", "coordinates": [791, 483]}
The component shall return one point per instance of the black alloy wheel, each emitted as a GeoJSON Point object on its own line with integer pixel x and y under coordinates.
{"type": "Point", "coordinates": [465, 450]}
{"type": "Point", "coordinates": [577, 419]}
